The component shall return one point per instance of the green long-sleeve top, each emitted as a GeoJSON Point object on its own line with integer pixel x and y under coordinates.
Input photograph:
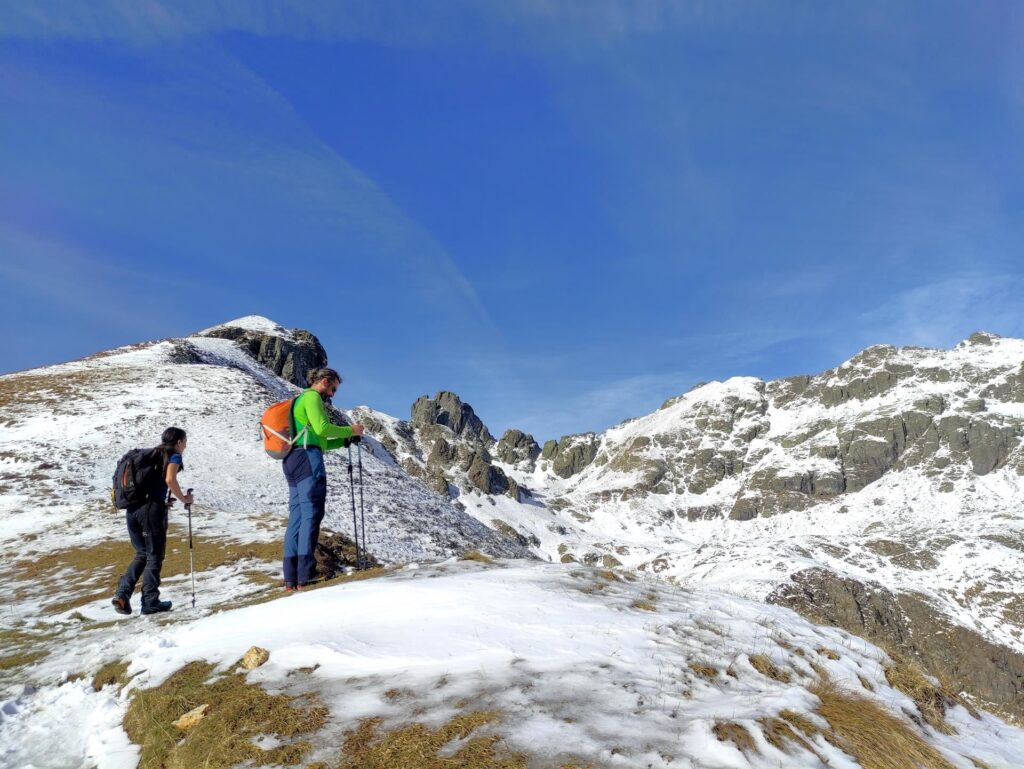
{"type": "Point", "coordinates": [309, 410]}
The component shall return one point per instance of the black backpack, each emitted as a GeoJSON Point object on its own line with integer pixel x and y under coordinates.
{"type": "Point", "coordinates": [138, 475]}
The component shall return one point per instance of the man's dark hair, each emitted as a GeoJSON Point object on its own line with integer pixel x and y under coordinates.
{"type": "Point", "coordinates": [316, 374]}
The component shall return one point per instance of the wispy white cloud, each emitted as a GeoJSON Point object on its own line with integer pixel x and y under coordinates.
{"type": "Point", "coordinates": [342, 193]}
{"type": "Point", "coordinates": [601, 407]}
{"type": "Point", "coordinates": [557, 22]}
{"type": "Point", "coordinates": [235, 163]}
{"type": "Point", "coordinates": [82, 285]}
{"type": "Point", "coordinates": [943, 312]}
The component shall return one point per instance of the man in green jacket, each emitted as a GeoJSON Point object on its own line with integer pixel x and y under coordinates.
{"type": "Point", "coordinates": [307, 476]}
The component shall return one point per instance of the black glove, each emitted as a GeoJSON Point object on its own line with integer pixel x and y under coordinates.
{"type": "Point", "coordinates": [349, 441]}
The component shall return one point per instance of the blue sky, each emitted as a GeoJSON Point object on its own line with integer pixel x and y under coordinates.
{"type": "Point", "coordinates": [564, 211]}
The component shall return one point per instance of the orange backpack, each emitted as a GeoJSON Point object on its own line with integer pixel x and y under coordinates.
{"type": "Point", "coordinates": [278, 429]}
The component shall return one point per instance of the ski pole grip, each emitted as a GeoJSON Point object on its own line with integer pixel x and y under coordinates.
{"type": "Point", "coordinates": [187, 492]}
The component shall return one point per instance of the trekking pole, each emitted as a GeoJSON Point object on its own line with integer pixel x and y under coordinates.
{"type": "Point", "coordinates": [362, 512]}
{"type": "Point", "coordinates": [352, 496]}
{"type": "Point", "coordinates": [191, 562]}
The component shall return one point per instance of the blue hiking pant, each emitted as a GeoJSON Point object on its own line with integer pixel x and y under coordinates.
{"type": "Point", "coordinates": [307, 495]}
{"type": "Point", "coordinates": [147, 529]}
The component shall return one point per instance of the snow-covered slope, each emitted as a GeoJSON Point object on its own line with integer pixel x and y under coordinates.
{"type": "Point", "coordinates": [571, 667]}
{"type": "Point", "coordinates": [62, 429]}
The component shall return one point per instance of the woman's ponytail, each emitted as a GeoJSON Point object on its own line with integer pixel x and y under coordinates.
{"type": "Point", "coordinates": [168, 440]}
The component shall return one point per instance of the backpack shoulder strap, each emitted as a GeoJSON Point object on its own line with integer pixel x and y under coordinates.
{"type": "Point", "coordinates": [294, 424]}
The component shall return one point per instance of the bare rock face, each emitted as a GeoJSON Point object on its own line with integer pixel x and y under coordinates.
{"type": "Point", "coordinates": [486, 477]}
{"type": "Point", "coordinates": [907, 623]}
{"type": "Point", "coordinates": [571, 454]}
{"type": "Point", "coordinates": [446, 408]}
{"type": "Point", "coordinates": [457, 447]}
{"type": "Point", "coordinates": [291, 356]}
{"type": "Point", "coordinates": [516, 447]}
{"type": "Point", "coordinates": [336, 552]}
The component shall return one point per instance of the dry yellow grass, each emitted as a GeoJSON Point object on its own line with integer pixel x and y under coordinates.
{"type": "Point", "coordinates": [417, 747]}
{"type": "Point", "coordinates": [239, 711]}
{"type": "Point", "coordinates": [824, 651]}
{"type": "Point", "coordinates": [704, 670]}
{"type": "Point", "coordinates": [476, 555]}
{"type": "Point", "coordinates": [932, 700]}
{"type": "Point", "coordinates": [801, 722]}
{"type": "Point", "coordinates": [780, 733]}
{"type": "Point", "coordinates": [113, 673]}
{"type": "Point", "coordinates": [21, 658]}
{"type": "Point", "coordinates": [874, 736]}
{"type": "Point", "coordinates": [97, 566]}
{"type": "Point", "coordinates": [766, 667]}
{"type": "Point", "coordinates": [738, 735]}
{"type": "Point", "coordinates": [644, 605]}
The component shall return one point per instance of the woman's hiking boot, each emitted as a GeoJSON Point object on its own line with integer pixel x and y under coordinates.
{"type": "Point", "coordinates": [121, 605]}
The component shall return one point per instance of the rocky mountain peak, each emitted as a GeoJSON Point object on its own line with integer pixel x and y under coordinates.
{"type": "Point", "coordinates": [981, 338]}
{"type": "Point", "coordinates": [448, 410]}
{"type": "Point", "coordinates": [289, 353]}
{"type": "Point", "coordinates": [517, 448]}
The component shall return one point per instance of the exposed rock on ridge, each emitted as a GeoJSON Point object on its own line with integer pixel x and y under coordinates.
{"type": "Point", "coordinates": [908, 624]}
{"type": "Point", "coordinates": [289, 354]}
{"type": "Point", "coordinates": [793, 443]}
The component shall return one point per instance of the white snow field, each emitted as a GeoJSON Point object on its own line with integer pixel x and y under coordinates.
{"type": "Point", "coordinates": [580, 667]}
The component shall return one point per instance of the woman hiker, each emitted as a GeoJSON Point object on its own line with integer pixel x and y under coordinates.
{"type": "Point", "coordinates": [307, 477]}
{"type": "Point", "coordinates": [147, 528]}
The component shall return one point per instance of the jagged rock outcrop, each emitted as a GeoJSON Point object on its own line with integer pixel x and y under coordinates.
{"type": "Point", "coordinates": [517, 447]}
{"type": "Point", "coordinates": [335, 552]}
{"type": "Point", "coordinates": [518, 537]}
{"type": "Point", "coordinates": [447, 409]}
{"type": "Point", "coordinates": [514, 490]}
{"type": "Point", "coordinates": [908, 624]}
{"type": "Point", "coordinates": [290, 355]}
{"type": "Point", "coordinates": [486, 477]}
{"type": "Point", "coordinates": [571, 453]}
{"type": "Point", "coordinates": [451, 445]}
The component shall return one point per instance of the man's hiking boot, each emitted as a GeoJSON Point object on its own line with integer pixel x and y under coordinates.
{"type": "Point", "coordinates": [160, 606]}
{"type": "Point", "coordinates": [121, 605]}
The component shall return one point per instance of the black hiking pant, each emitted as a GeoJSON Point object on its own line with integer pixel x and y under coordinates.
{"type": "Point", "coordinates": [147, 528]}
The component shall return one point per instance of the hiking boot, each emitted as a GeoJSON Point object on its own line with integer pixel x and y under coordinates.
{"type": "Point", "coordinates": [160, 606]}
{"type": "Point", "coordinates": [121, 605]}
{"type": "Point", "coordinates": [289, 587]}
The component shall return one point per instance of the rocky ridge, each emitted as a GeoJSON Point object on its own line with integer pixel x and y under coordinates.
{"type": "Point", "coordinates": [899, 469]}
{"type": "Point", "coordinates": [447, 445]}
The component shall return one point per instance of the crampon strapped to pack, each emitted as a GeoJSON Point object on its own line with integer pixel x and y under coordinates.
{"type": "Point", "coordinates": [277, 428]}
{"type": "Point", "coordinates": [138, 473]}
